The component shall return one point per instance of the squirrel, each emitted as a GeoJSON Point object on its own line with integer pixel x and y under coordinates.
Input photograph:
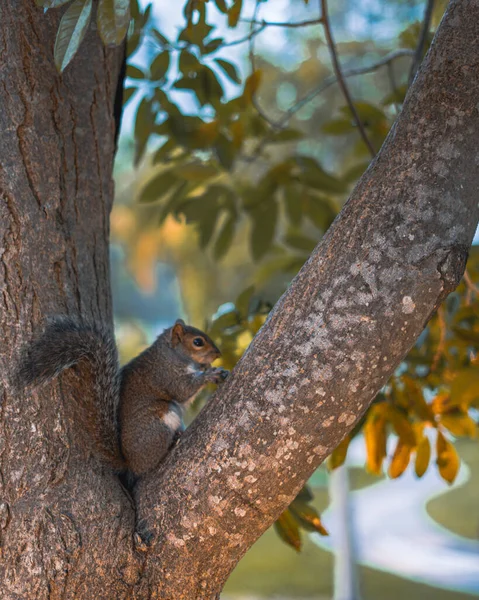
{"type": "Point", "coordinates": [133, 415]}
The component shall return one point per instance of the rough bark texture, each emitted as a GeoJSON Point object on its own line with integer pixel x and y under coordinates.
{"type": "Point", "coordinates": [60, 515]}
{"type": "Point", "coordinates": [398, 247]}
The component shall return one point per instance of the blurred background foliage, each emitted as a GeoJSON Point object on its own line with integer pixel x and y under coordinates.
{"type": "Point", "coordinates": [239, 147]}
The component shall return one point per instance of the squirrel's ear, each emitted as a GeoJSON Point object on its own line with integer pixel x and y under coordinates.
{"type": "Point", "coordinates": [177, 332]}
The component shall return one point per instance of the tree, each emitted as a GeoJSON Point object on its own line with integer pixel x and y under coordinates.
{"type": "Point", "coordinates": [356, 307]}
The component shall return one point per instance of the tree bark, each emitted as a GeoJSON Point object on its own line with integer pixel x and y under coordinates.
{"type": "Point", "coordinates": [60, 514]}
{"type": "Point", "coordinates": [397, 249]}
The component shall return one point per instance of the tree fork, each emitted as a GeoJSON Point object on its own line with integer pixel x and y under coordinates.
{"type": "Point", "coordinates": [397, 248]}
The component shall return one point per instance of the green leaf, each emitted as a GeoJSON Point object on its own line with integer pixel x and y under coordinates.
{"type": "Point", "coordinates": [229, 68]}
{"type": "Point", "coordinates": [225, 151]}
{"type": "Point", "coordinates": [221, 6]}
{"type": "Point", "coordinates": [234, 13]}
{"type": "Point", "coordinates": [159, 66]}
{"type": "Point", "coordinates": [316, 177]}
{"type": "Point", "coordinates": [145, 119]}
{"type": "Point", "coordinates": [135, 72]}
{"type": "Point", "coordinates": [338, 127]}
{"type": "Point", "coordinates": [292, 204]}
{"type": "Point", "coordinates": [225, 237]}
{"type": "Point", "coordinates": [113, 18]}
{"type": "Point", "coordinates": [319, 211]}
{"type": "Point", "coordinates": [265, 217]}
{"type": "Point", "coordinates": [157, 187]}
{"type": "Point", "coordinates": [212, 46]}
{"type": "Point", "coordinates": [128, 94]}
{"type": "Point", "coordinates": [71, 31]}
{"type": "Point", "coordinates": [286, 135]}
{"type": "Point", "coordinates": [197, 171]}
{"type": "Point", "coordinates": [288, 530]}
{"type": "Point", "coordinates": [160, 37]}
{"type": "Point", "coordinates": [354, 173]}
{"type": "Point", "coordinates": [188, 63]}
{"type": "Point", "coordinates": [300, 242]}
{"type": "Point", "coordinates": [243, 301]}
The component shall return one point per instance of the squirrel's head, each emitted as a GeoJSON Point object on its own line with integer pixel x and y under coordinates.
{"type": "Point", "coordinates": [194, 342]}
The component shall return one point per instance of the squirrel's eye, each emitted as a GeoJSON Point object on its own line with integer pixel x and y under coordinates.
{"type": "Point", "coordinates": [199, 342]}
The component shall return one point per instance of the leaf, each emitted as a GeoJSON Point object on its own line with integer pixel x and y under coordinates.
{"type": "Point", "coordinates": [338, 127]}
{"type": "Point", "coordinates": [225, 151]}
{"type": "Point", "coordinates": [229, 68]}
{"type": "Point", "coordinates": [354, 173]}
{"type": "Point", "coordinates": [300, 242]}
{"type": "Point", "coordinates": [465, 387]}
{"type": "Point", "coordinates": [307, 516]}
{"type": "Point", "coordinates": [143, 127]}
{"type": "Point", "coordinates": [225, 237]}
{"type": "Point", "coordinates": [113, 18]}
{"type": "Point", "coordinates": [234, 13]}
{"type": "Point", "coordinates": [415, 395]}
{"type": "Point", "coordinates": [128, 93]}
{"type": "Point", "coordinates": [160, 37]}
{"type": "Point", "coordinates": [314, 175]}
{"type": "Point", "coordinates": [286, 135]}
{"type": "Point", "coordinates": [400, 459]}
{"type": "Point", "coordinates": [135, 72]}
{"type": "Point", "coordinates": [423, 456]}
{"type": "Point", "coordinates": [158, 186]}
{"type": "Point", "coordinates": [251, 85]}
{"type": "Point", "coordinates": [188, 63]}
{"type": "Point", "coordinates": [288, 530]}
{"type": "Point", "coordinates": [265, 217]}
{"type": "Point", "coordinates": [196, 171]}
{"type": "Point", "coordinates": [221, 6]}
{"type": "Point", "coordinates": [159, 66]}
{"type": "Point", "coordinates": [212, 46]}
{"type": "Point", "coordinates": [459, 424]}
{"type": "Point", "coordinates": [375, 438]}
{"type": "Point", "coordinates": [242, 302]}
{"type": "Point", "coordinates": [447, 459]}
{"type": "Point", "coordinates": [338, 455]}
{"type": "Point", "coordinates": [71, 31]}
{"type": "Point", "coordinates": [292, 204]}
{"type": "Point", "coordinates": [402, 427]}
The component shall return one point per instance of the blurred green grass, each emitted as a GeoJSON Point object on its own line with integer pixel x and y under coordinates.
{"type": "Point", "coordinates": [270, 568]}
{"type": "Point", "coordinates": [458, 509]}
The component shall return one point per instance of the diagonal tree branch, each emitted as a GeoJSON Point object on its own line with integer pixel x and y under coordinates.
{"type": "Point", "coordinates": [396, 250]}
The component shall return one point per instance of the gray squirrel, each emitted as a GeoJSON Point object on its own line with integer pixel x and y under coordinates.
{"type": "Point", "coordinates": [135, 413]}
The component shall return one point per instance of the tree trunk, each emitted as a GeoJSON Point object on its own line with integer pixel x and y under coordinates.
{"type": "Point", "coordinates": [397, 249]}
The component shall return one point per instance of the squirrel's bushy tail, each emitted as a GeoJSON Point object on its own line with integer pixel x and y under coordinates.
{"type": "Point", "coordinates": [66, 342]}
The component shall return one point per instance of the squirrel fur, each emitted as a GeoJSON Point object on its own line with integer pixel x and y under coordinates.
{"type": "Point", "coordinates": [133, 414]}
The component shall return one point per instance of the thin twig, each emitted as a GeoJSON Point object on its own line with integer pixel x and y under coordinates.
{"type": "Point", "coordinates": [327, 83]}
{"type": "Point", "coordinates": [252, 60]}
{"type": "Point", "coordinates": [340, 77]}
{"type": "Point", "coordinates": [264, 23]}
{"type": "Point", "coordinates": [470, 284]}
{"type": "Point", "coordinates": [426, 23]}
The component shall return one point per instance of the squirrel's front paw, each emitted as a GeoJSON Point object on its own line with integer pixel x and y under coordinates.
{"type": "Point", "coordinates": [217, 375]}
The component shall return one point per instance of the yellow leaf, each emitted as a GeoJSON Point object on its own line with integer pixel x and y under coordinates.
{"type": "Point", "coordinates": [288, 530]}
{"type": "Point", "coordinates": [423, 456]}
{"type": "Point", "coordinates": [400, 459]}
{"type": "Point", "coordinates": [207, 133]}
{"type": "Point", "coordinates": [459, 424]}
{"type": "Point", "coordinates": [447, 459]}
{"type": "Point", "coordinates": [338, 455]}
{"type": "Point", "coordinates": [237, 133]}
{"type": "Point", "coordinates": [415, 395]}
{"type": "Point", "coordinates": [402, 427]}
{"type": "Point", "coordinates": [442, 403]}
{"type": "Point", "coordinates": [465, 387]}
{"type": "Point", "coordinates": [307, 516]}
{"type": "Point", "coordinates": [375, 438]}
